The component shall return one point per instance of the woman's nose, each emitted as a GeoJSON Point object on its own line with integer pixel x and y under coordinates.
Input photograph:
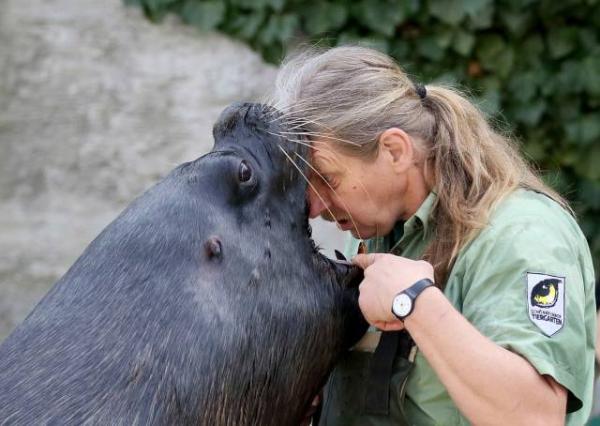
{"type": "Point", "coordinates": [317, 203]}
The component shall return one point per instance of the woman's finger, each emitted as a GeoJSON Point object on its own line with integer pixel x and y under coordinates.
{"type": "Point", "coordinates": [366, 260]}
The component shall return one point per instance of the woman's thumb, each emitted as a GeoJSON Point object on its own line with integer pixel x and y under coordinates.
{"type": "Point", "coordinates": [366, 260]}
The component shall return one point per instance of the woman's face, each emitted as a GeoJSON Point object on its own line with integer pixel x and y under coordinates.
{"type": "Point", "coordinates": [362, 196]}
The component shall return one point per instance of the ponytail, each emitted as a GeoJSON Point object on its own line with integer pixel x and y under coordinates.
{"type": "Point", "coordinates": [474, 167]}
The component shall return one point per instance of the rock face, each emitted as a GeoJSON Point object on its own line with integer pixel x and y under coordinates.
{"type": "Point", "coordinates": [97, 104]}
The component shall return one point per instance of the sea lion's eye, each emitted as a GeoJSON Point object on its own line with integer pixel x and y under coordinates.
{"type": "Point", "coordinates": [244, 172]}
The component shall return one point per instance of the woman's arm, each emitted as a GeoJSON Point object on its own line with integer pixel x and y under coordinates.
{"type": "Point", "coordinates": [489, 384]}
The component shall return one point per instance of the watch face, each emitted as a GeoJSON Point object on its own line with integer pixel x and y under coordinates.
{"type": "Point", "coordinates": [401, 305]}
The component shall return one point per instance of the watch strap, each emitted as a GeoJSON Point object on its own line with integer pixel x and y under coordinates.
{"type": "Point", "coordinates": [414, 290]}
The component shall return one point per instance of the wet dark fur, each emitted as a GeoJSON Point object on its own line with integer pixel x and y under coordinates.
{"type": "Point", "coordinates": [204, 302]}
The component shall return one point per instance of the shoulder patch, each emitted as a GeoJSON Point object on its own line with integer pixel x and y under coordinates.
{"type": "Point", "coordinates": [546, 302]}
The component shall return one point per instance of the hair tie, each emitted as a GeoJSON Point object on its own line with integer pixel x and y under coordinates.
{"type": "Point", "coordinates": [421, 90]}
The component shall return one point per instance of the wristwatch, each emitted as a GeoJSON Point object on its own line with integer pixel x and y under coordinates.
{"type": "Point", "coordinates": [404, 302]}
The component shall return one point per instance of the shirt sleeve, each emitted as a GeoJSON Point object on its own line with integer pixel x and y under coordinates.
{"type": "Point", "coordinates": [522, 286]}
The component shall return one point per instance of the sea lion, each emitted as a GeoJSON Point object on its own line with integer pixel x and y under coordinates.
{"type": "Point", "coordinates": [205, 302]}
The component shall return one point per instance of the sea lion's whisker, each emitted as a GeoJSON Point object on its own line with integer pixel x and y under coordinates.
{"type": "Point", "coordinates": [302, 142]}
{"type": "Point", "coordinates": [308, 182]}
{"type": "Point", "coordinates": [320, 136]}
{"type": "Point", "coordinates": [295, 118]}
{"type": "Point", "coordinates": [300, 123]}
{"type": "Point", "coordinates": [298, 141]}
{"type": "Point", "coordinates": [334, 191]}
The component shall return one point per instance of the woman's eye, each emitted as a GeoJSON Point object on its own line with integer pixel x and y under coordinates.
{"type": "Point", "coordinates": [244, 172]}
{"type": "Point", "coordinates": [328, 179]}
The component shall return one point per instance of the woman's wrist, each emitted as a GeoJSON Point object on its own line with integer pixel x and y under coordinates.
{"type": "Point", "coordinates": [429, 308]}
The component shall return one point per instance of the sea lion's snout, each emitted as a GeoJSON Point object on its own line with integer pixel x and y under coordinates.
{"type": "Point", "coordinates": [349, 275]}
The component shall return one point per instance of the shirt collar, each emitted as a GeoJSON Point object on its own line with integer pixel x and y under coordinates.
{"type": "Point", "coordinates": [419, 222]}
{"type": "Point", "coordinates": [425, 211]}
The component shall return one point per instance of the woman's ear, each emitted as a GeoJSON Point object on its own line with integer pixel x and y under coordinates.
{"type": "Point", "coordinates": [398, 146]}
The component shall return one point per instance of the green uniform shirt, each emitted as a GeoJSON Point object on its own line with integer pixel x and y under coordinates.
{"type": "Point", "coordinates": [527, 283]}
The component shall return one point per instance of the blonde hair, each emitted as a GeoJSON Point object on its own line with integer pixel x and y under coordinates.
{"type": "Point", "coordinates": [352, 94]}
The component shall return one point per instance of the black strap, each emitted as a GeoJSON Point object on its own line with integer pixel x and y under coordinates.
{"type": "Point", "coordinates": [414, 290]}
{"type": "Point", "coordinates": [377, 392]}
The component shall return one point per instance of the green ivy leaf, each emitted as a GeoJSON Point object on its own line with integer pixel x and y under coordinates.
{"type": "Point", "coordinates": [587, 164]}
{"type": "Point", "coordinates": [535, 150]}
{"type": "Point", "coordinates": [253, 4]}
{"type": "Point", "coordinates": [278, 29]}
{"type": "Point", "coordinates": [277, 5]}
{"type": "Point", "coordinates": [325, 16]}
{"type": "Point", "coordinates": [495, 55]}
{"type": "Point", "coordinates": [568, 80]}
{"type": "Point", "coordinates": [489, 47]}
{"type": "Point", "coordinates": [590, 67]}
{"type": "Point", "coordinates": [533, 47]}
{"type": "Point", "coordinates": [561, 41]}
{"type": "Point", "coordinates": [474, 8]}
{"type": "Point", "coordinates": [429, 48]}
{"type": "Point", "coordinates": [246, 26]}
{"type": "Point", "coordinates": [273, 53]}
{"type": "Point", "coordinates": [450, 12]}
{"type": "Point", "coordinates": [205, 15]}
{"type": "Point", "coordinates": [589, 190]}
{"type": "Point", "coordinates": [519, 5]}
{"type": "Point", "coordinates": [443, 37]}
{"type": "Point", "coordinates": [585, 130]}
{"type": "Point", "coordinates": [523, 86]}
{"type": "Point", "coordinates": [588, 39]}
{"type": "Point", "coordinates": [463, 42]}
{"type": "Point", "coordinates": [530, 114]}
{"type": "Point", "coordinates": [400, 49]}
{"type": "Point", "coordinates": [505, 62]}
{"type": "Point", "coordinates": [483, 18]}
{"type": "Point", "coordinates": [567, 112]}
{"type": "Point", "coordinates": [288, 26]}
{"type": "Point", "coordinates": [517, 22]}
{"type": "Point", "coordinates": [381, 16]}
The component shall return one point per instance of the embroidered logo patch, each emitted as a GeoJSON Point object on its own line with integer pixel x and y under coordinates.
{"type": "Point", "coordinates": [546, 302]}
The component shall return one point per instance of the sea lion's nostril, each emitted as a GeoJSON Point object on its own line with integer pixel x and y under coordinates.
{"type": "Point", "coordinates": [213, 247]}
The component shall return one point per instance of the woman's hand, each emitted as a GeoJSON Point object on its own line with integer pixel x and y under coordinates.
{"type": "Point", "coordinates": [386, 275]}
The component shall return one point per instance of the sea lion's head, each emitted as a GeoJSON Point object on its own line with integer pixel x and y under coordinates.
{"type": "Point", "coordinates": [262, 183]}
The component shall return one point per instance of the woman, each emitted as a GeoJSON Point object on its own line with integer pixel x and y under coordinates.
{"type": "Point", "coordinates": [481, 264]}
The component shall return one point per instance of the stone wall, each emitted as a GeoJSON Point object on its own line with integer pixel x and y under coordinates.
{"type": "Point", "coordinates": [97, 104]}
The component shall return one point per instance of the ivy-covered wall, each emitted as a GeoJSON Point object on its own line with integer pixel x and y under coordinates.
{"type": "Point", "coordinates": [532, 64]}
